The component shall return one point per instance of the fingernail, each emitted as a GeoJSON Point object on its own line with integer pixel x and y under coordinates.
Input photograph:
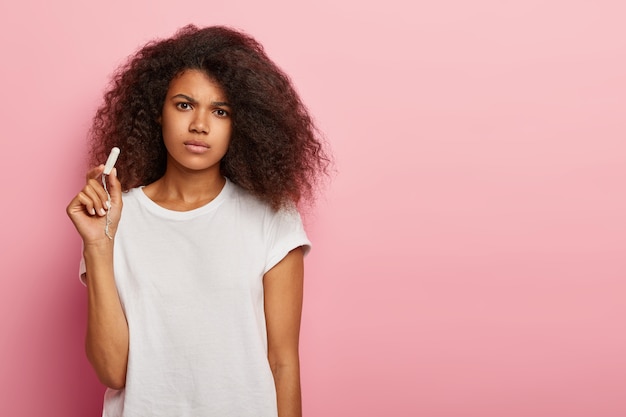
{"type": "Point", "coordinates": [103, 211]}
{"type": "Point", "coordinates": [92, 211]}
{"type": "Point", "coordinates": [108, 204]}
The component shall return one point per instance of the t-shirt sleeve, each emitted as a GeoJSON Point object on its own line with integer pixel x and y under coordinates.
{"type": "Point", "coordinates": [286, 232]}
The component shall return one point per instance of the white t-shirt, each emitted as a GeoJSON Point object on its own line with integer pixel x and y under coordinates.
{"type": "Point", "coordinates": [191, 285]}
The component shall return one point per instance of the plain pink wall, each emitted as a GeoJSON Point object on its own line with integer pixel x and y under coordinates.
{"type": "Point", "coordinates": [469, 255]}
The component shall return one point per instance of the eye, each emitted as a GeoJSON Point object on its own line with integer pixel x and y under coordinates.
{"type": "Point", "coordinates": [220, 113]}
{"type": "Point", "coordinates": [183, 106]}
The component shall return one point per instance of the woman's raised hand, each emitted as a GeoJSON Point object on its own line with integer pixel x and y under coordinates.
{"type": "Point", "coordinates": [88, 210]}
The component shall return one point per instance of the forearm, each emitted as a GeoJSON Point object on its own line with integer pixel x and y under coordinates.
{"type": "Point", "coordinates": [288, 391]}
{"type": "Point", "coordinates": [106, 342]}
{"type": "Point", "coordinates": [283, 286]}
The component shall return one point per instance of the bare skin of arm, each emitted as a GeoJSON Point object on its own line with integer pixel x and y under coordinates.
{"type": "Point", "coordinates": [283, 287]}
{"type": "Point", "coordinates": [106, 341]}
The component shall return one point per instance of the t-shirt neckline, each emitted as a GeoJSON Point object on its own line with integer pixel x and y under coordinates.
{"type": "Point", "coordinates": [183, 215]}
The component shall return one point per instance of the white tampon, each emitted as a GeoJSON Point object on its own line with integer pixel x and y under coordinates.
{"type": "Point", "coordinates": [108, 167]}
{"type": "Point", "coordinates": [115, 152]}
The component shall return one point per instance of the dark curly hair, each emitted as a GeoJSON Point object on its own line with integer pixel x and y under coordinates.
{"type": "Point", "coordinates": [276, 152]}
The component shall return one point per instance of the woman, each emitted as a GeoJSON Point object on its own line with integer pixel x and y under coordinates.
{"type": "Point", "coordinates": [195, 291]}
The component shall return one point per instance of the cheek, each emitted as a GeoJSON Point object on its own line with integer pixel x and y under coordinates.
{"type": "Point", "coordinates": [171, 127]}
{"type": "Point", "coordinates": [226, 132]}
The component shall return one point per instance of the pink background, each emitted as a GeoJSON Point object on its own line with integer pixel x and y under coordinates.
{"type": "Point", "coordinates": [469, 255]}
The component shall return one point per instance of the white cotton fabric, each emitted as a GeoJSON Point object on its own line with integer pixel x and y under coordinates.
{"type": "Point", "coordinates": [191, 285]}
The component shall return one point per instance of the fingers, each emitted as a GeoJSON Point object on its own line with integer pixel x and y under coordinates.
{"type": "Point", "coordinates": [91, 204]}
{"type": "Point", "coordinates": [94, 198]}
{"type": "Point", "coordinates": [95, 172]}
{"type": "Point", "coordinates": [115, 188]}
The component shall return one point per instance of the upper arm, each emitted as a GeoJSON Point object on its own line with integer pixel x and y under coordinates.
{"type": "Point", "coordinates": [283, 289]}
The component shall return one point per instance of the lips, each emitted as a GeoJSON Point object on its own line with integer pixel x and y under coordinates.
{"type": "Point", "coordinates": [196, 143]}
{"type": "Point", "coordinates": [196, 146]}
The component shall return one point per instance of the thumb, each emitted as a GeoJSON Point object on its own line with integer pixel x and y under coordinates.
{"type": "Point", "coordinates": [115, 188]}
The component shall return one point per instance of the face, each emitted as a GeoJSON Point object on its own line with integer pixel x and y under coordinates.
{"type": "Point", "coordinates": [196, 122]}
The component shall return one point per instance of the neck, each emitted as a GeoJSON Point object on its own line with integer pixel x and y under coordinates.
{"type": "Point", "coordinates": [181, 189]}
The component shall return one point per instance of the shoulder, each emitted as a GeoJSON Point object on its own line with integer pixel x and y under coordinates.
{"type": "Point", "coordinates": [132, 198]}
{"type": "Point", "coordinates": [253, 205]}
{"type": "Point", "coordinates": [275, 223]}
{"type": "Point", "coordinates": [131, 194]}
{"type": "Point", "coordinates": [246, 203]}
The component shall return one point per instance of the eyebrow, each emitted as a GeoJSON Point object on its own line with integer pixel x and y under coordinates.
{"type": "Point", "coordinates": [194, 101]}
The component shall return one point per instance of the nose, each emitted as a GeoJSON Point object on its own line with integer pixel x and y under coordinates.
{"type": "Point", "coordinates": [199, 122]}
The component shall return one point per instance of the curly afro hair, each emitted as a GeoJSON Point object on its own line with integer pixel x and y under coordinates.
{"type": "Point", "coordinates": [275, 151]}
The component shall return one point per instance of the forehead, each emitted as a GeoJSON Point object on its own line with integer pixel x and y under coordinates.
{"type": "Point", "coordinates": [195, 83]}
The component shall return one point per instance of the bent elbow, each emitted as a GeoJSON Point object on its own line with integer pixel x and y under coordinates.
{"type": "Point", "coordinates": [112, 382]}
{"type": "Point", "coordinates": [114, 378]}
{"type": "Point", "coordinates": [111, 372]}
